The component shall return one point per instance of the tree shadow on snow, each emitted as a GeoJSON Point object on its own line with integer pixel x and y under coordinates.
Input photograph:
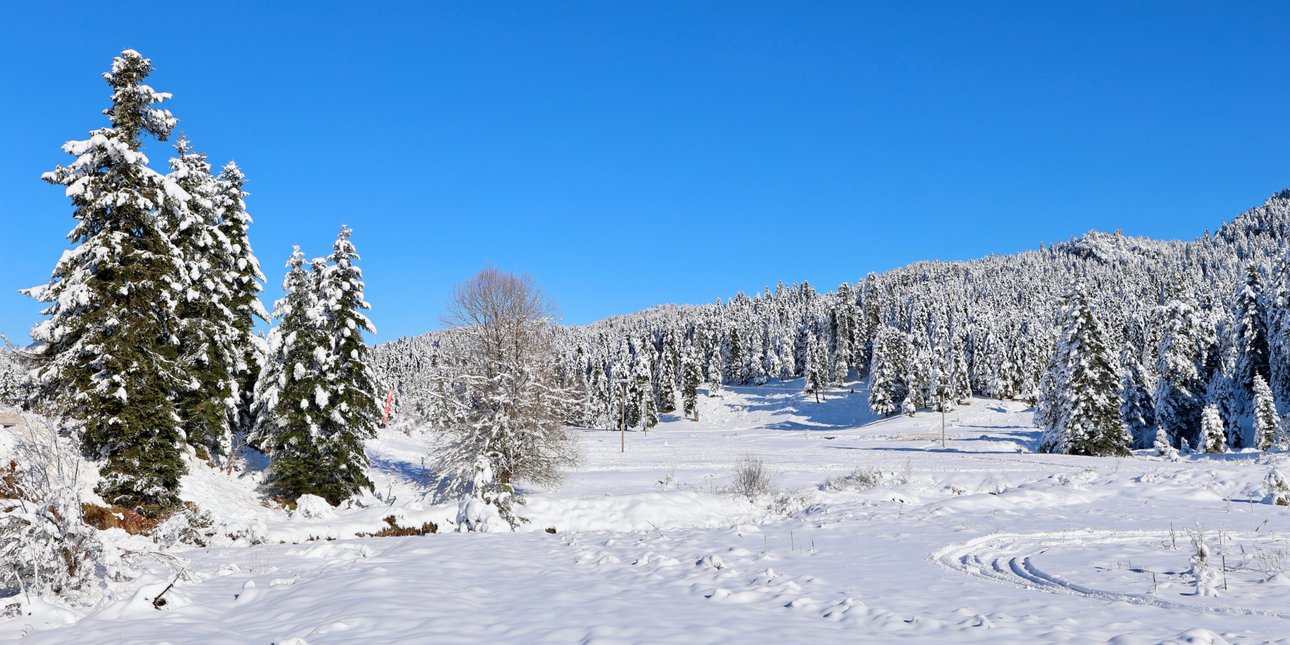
{"type": "Point", "coordinates": [418, 474]}
{"type": "Point", "coordinates": [934, 448]}
{"type": "Point", "coordinates": [837, 410]}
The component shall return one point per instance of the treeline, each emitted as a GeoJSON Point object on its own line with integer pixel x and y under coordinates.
{"type": "Point", "coordinates": [934, 333]}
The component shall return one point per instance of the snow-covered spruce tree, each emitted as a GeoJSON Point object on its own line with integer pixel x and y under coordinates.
{"type": "Point", "coordinates": [351, 410]}
{"type": "Point", "coordinates": [887, 388]}
{"type": "Point", "coordinates": [690, 381]}
{"type": "Point", "coordinates": [108, 349]}
{"type": "Point", "coordinates": [1136, 407]}
{"type": "Point", "coordinates": [209, 357]}
{"type": "Point", "coordinates": [817, 369]}
{"type": "Point", "coordinates": [843, 318]}
{"type": "Point", "coordinates": [714, 371]}
{"type": "Point", "coordinates": [669, 366]}
{"type": "Point", "coordinates": [1265, 415]}
{"type": "Point", "coordinates": [245, 282]}
{"type": "Point", "coordinates": [959, 389]}
{"type": "Point", "coordinates": [1163, 446]}
{"type": "Point", "coordinates": [643, 387]}
{"type": "Point", "coordinates": [734, 358]}
{"type": "Point", "coordinates": [1082, 404]}
{"type": "Point", "coordinates": [1180, 361]}
{"type": "Point", "coordinates": [1251, 339]}
{"type": "Point", "coordinates": [514, 428]}
{"type": "Point", "coordinates": [292, 389]}
{"type": "Point", "coordinates": [1213, 434]}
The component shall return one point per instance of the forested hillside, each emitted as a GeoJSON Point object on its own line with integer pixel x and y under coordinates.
{"type": "Point", "coordinates": [1192, 323]}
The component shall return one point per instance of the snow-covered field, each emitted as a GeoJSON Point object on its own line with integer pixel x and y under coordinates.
{"type": "Point", "coordinates": [980, 540]}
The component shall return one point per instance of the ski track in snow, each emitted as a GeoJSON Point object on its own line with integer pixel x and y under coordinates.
{"type": "Point", "coordinates": [1010, 558]}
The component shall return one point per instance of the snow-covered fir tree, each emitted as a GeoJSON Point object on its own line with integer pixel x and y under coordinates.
{"type": "Point", "coordinates": [843, 318]}
{"type": "Point", "coordinates": [1251, 341]}
{"type": "Point", "coordinates": [1136, 406]}
{"type": "Point", "coordinates": [690, 381]}
{"type": "Point", "coordinates": [1213, 432]}
{"type": "Point", "coordinates": [1265, 415]}
{"type": "Point", "coordinates": [714, 371]}
{"type": "Point", "coordinates": [646, 405]}
{"type": "Point", "coordinates": [1081, 408]}
{"type": "Point", "coordinates": [669, 367]}
{"type": "Point", "coordinates": [210, 356]}
{"type": "Point", "coordinates": [108, 350]}
{"type": "Point", "coordinates": [244, 284]}
{"type": "Point", "coordinates": [292, 390]}
{"type": "Point", "coordinates": [887, 387]}
{"type": "Point", "coordinates": [350, 412]}
{"type": "Point", "coordinates": [817, 369]}
{"type": "Point", "coordinates": [1180, 365]}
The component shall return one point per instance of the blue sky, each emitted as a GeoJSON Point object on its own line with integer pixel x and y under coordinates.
{"type": "Point", "coordinates": [630, 154]}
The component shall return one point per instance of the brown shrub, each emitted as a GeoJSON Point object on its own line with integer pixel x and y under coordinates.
{"type": "Point", "coordinates": [117, 517]}
{"type": "Point", "coordinates": [394, 530]}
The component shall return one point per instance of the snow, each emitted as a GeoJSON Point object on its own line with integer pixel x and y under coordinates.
{"type": "Point", "coordinates": [982, 540]}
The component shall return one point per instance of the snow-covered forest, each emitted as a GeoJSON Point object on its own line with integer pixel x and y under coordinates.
{"type": "Point", "coordinates": [1185, 325]}
{"type": "Point", "coordinates": [945, 451]}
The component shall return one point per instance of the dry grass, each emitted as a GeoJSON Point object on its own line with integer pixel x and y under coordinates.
{"type": "Point", "coordinates": [394, 530]}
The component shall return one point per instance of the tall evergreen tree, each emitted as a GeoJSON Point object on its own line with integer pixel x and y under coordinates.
{"type": "Point", "coordinates": [643, 388]}
{"type": "Point", "coordinates": [1081, 410]}
{"type": "Point", "coordinates": [209, 357]}
{"type": "Point", "coordinates": [1180, 364]}
{"type": "Point", "coordinates": [1265, 415]}
{"type": "Point", "coordinates": [1213, 433]}
{"type": "Point", "coordinates": [843, 332]}
{"type": "Point", "coordinates": [1136, 408]}
{"type": "Point", "coordinates": [887, 387]}
{"type": "Point", "coordinates": [291, 393]}
{"type": "Point", "coordinates": [817, 368]}
{"type": "Point", "coordinates": [958, 388]}
{"type": "Point", "coordinates": [245, 282]}
{"type": "Point", "coordinates": [669, 364]}
{"type": "Point", "coordinates": [734, 358]}
{"type": "Point", "coordinates": [714, 371]}
{"type": "Point", "coordinates": [690, 380]}
{"type": "Point", "coordinates": [108, 350]}
{"type": "Point", "coordinates": [1251, 339]}
{"type": "Point", "coordinates": [351, 406]}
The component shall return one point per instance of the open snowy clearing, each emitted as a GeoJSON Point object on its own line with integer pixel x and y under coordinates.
{"type": "Point", "coordinates": [982, 540]}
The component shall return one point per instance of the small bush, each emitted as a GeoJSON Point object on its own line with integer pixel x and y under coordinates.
{"type": "Point", "coordinates": [188, 525]}
{"type": "Point", "coordinates": [45, 547]}
{"type": "Point", "coordinates": [751, 478]}
{"type": "Point", "coordinates": [859, 479]}
{"type": "Point", "coordinates": [1278, 488]}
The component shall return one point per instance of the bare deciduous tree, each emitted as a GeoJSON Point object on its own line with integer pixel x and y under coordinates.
{"type": "Point", "coordinates": [507, 314]}
{"type": "Point", "coordinates": [512, 425]}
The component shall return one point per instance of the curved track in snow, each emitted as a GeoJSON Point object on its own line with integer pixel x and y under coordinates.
{"type": "Point", "coordinates": [1010, 558]}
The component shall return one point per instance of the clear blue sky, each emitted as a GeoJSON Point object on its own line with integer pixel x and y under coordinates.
{"type": "Point", "coordinates": [635, 154]}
